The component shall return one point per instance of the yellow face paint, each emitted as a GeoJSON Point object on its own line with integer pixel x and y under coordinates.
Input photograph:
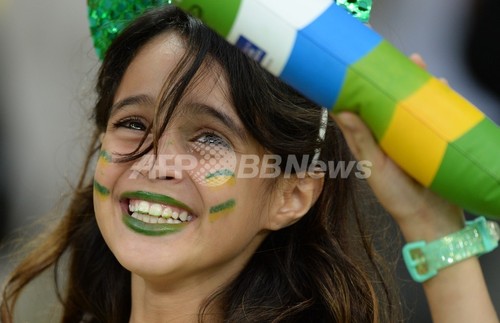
{"type": "Point", "coordinates": [220, 210]}
{"type": "Point", "coordinates": [220, 177]}
{"type": "Point", "coordinates": [104, 158]}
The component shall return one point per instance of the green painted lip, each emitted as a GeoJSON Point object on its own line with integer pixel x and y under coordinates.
{"type": "Point", "coordinates": [150, 229]}
{"type": "Point", "coordinates": [156, 198]}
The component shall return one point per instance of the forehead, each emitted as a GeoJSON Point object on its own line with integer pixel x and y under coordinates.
{"type": "Point", "coordinates": [149, 71]}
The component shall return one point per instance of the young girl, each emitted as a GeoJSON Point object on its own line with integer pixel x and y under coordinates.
{"type": "Point", "coordinates": [175, 225]}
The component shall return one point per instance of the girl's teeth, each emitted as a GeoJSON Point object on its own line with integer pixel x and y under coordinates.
{"type": "Point", "coordinates": [155, 210]}
{"type": "Point", "coordinates": [144, 207]}
{"type": "Point", "coordinates": [183, 216]}
{"type": "Point", "coordinates": [157, 213]}
{"type": "Point", "coordinates": [167, 213]}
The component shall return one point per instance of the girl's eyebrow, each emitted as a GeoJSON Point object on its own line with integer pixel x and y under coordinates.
{"type": "Point", "coordinates": [228, 121]}
{"type": "Point", "coordinates": [141, 99]}
{"type": "Point", "coordinates": [194, 108]}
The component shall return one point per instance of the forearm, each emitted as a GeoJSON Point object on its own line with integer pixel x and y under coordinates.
{"type": "Point", "coordinates": [459, 294]}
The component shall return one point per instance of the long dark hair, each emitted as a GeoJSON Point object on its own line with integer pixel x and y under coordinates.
{"type": "Point", "coordinates": [321, 269]}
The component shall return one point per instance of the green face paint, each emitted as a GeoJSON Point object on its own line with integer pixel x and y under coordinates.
{"type": "Point", "coordinates": [220, 210]}
{"type": "Point", "coordinates": [103, 191]}
{"type": "Point", "coordinates": [221, 172]}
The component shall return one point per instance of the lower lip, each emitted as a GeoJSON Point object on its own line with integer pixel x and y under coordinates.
{"type": "Point", "coordinates": [150, 229]}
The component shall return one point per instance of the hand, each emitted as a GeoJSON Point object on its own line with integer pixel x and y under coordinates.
{"type": "Point", "coordinates": [420, 213]}
{"type": "Point", "coordinates": [458, 293]}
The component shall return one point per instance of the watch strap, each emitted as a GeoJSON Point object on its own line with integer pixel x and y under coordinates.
{"type": "Point", "coordinates": [424, 259]}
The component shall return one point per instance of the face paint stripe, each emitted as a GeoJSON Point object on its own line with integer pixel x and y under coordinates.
{"type": "Point", "coordinates": [103, 191]}
{"type": "Point", "coordinates": [223, 206]}
{"type": "Point", "coordinates": [220, 172]}
{"type": "Point", "coordinates": [217, 211]}
{"type": "Point", "coordinates": [105, 156]}
{"type": "Point", "coordinates": [220, 177]}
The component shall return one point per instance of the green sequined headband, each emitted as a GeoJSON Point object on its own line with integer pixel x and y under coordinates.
{"type": "Point", "coordinates": [107, 18]}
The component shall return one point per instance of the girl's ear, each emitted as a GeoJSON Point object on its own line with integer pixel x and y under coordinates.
{"type": "Point", "coordinates": [101, 137]}
{"type": "Point", "coordinates": [295, 196]}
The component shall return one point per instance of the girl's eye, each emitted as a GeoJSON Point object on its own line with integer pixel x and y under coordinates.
{"type": "Point", "coordinates": [134, 123]}
{"type": "Point", "coordinates": [211, 139]}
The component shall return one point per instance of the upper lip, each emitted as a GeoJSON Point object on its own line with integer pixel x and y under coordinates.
{"type": "Point", "coordinates": [155, 198]}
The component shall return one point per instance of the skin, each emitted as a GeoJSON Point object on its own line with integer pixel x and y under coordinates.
{"type": "Point", "coordinates": [173, 273]}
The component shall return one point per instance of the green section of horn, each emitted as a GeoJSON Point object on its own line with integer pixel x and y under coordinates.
{"type": "Point", "coordinates": [469, 174]}
{"type": "Point", "coordinates": [377, 83]}
{"type": "Point", "coordinates": [217, 14]}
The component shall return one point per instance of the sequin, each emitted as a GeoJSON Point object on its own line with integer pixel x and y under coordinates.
{"type": "Point", "coordinates": [358, 8]}
{"type": "Point", "coordinates": [107, 18]}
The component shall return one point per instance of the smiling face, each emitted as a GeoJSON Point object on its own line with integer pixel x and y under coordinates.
{"type": "Point", "coordinates": [162, 223]}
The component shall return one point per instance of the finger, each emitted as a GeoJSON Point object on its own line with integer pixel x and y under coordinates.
{"type": "Point", "coordinates": [417, 59]}
{"type": "Point", "coordinates": [359, 138]}
{"type": "Point", "coordinates": [389, 183]}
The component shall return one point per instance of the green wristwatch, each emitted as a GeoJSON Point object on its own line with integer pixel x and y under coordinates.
{"type": "Point", "coordinates": [424, 260]}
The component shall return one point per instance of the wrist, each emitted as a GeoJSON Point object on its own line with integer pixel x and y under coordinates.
{"type": "Point", "coordinates": [424, 259]}
{"type": "Point", "coordinates": [431, 231]}
{"type": "Point", "coordinates": [430, 224]}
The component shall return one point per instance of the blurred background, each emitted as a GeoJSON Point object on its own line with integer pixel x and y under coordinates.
{"type": "Point", "coordinates": [48, 65]}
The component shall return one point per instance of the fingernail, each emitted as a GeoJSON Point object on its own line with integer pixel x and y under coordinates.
{"type": "Point", "coordinates": [417, 59]}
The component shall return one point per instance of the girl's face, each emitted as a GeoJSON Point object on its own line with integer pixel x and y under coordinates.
{"type": "Point", "coordinates": [182, 217]}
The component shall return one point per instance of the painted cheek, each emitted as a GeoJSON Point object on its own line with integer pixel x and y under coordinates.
{"type": "Point", "coordinates": [220, 178]}
{"type": "Point", "coordinates": [105, 157]}
{"type": "Point", "coordinates": [215, 165]}
{"type": "Point", "coordinates": [103, 162]}
{"type": "Point", "coordinates": [221, 210]}
{"type": "Point", "coordinates": [100, 190]}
